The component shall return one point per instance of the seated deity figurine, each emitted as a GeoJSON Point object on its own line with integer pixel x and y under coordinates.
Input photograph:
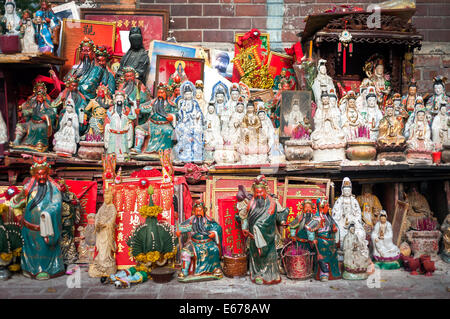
{"type": "Point", "coordinates": [391, 142]}
{"type": "Point", "coordinates": [200, 97]}
{"type": "Point", "coordinates": [370, 207]}
{"type": "Point", "coordinates": [67, 138]}
{"type": "Point", "coordinates": [375, 71]}
{"type": "Point", "coordinates": [234, 96]}
{"type": "Point", "coordinates": [97, 109]}
{"type": "Point", "coordinates": [213, 138]}
{"type": "Point", "coordinates": [408, 101]}
{"type": "Point", "coordinates": [356, 256]}
{"type": "Point", "coordinates": [322, 82]}
{"type": "Point", "coordinates": [445, 228]}
{"type": "Point", "coordinates": [40, 121]}
{"type": "Point", "coordinates": [276, 152]}
{"type": "Point", "coordinates": [351, 122]}
{"type": "Point", "coordinates": [328, 138]}
{"type": "Point", "coordinates": [439, 97]}
{"type": "Point", "coordinates": [234, 126]}
{"type": "Point", "coordinates": [419, 207]}
{"type": "Point", "coordinates": [419, 143]}
{"type": "Point", "coordinates": [372, 114]}
{"type": "Point", "coordinates": [349, 100]}
{"type": "Point", "coordinates": [189, 128]}
{"type": "Point", "coordinates": [385, 252]}
{"type": "Point", "coordinates": [361, 100]}
{"type": "Point", "coordinates": [253, 144]}
{"type": "Point", "coordinates": [346, 210]}
{"type": "Point", "coordinates": [293, 118]}
{"type": "Point", "coordinates": [201, 256]}
{"type": "Point", "coordinates": [159, 126]}
{"type": "Point", "coordinates": [439, 127]}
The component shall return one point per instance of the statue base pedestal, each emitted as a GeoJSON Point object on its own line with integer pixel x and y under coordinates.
{"type": "Point", "coordinates": [251, 159]}
{"type": "Point", "coordinates": [387, 265]}
{"type": "Point", "coordinates": [392, 156]}
{"type": "Point", "coordinates": [419, 157]}
{"type": "Point", "coordinates": [329, 155]}
{"type": "Point", "coordinates": [355, 276]}
{"type": "Point", "coordinates": [298, 150]}
{"type": "Point", "coordinates": [91, 150]}
{"type": "Point", "coordinates": [226, 155]}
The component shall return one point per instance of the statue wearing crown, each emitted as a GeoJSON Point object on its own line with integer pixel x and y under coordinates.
{"type": "Point", "coordinates": [159, 126]}
{"type": "Point", "coordinates": [439, 96]}
{"type": "Point", "coordinates": [419, 143]}
{"type": "Point", "coordinates": [322, 82]}
{"type": "Point", "coordinates": [375, 71]}
{"type": "Point", "coordinates": [38, 208]}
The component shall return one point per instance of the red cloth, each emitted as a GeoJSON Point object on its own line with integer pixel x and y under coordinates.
{"type": "Point", "coordinates": [187, 198]}
{"type": "Point", "coordinates": [296, 51]}
{"type": "Point", "coordinates": [146, 173]}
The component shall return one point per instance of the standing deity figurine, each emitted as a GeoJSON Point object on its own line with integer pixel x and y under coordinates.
{"type": "Point", "coordinates": [439, 96]}
{"type": "Point", "coordinates": [346, 210]}
{"type": "Point", "coordinates": [234, 96]}
{"type": "Point", "coordinates": [43, 33]}
{"type": "Point", "coordinates": [159, 126]}
{"type": "Point", "coordinates": [119, 128]}
{"type": "Point", "coordinates": [11, 20]}
{"type": "Point", "coordinates": [223, 109]}
{"type": "Point", "coordinates": [323, 82]}
{"type": "Point", "coordinates": [356, 256]}
{"type": "Point", "coordinates": [104, 263]}
{"type": "Point", "coordinates": [372, 113]}
{"type": "Point", "coordinates": [213, 138]}
{"type": "Point", "coordinates": [259, 227]}
{"type": "Point", "coordinates": [67, 138]}
{"type": "Point", "coordinates": [200, 96]}
{"type": "Point", "coordinates": [234, 126]}
{"type": "Point", "coordinates": [28, 34]}
{"type": "Point", "coordinates": [189, 128]}
{"type": "Point", "coordinates": [375, 71]}
{"type": "Point", "coordinates": [52, 20]}
{"type": "Point", "coordinates": [440, 125]}
{"type": "Point", "coordinates": [201, 256]}
{"type": "Point", "coordinates": [370, 207]}
{"type": "Point", "coordinates": [385, 252]}
{"type": "Point", "coordinates": [97, 109]}
{"type": "Point", "coordinates": [39, 207]}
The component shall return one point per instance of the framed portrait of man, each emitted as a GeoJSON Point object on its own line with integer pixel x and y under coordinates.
{"type": "Point", "coordinates": [295, 110]}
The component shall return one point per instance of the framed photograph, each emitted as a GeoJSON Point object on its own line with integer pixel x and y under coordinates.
{"type": "Point", "coordinates": [67, 11]}
{"type": "Point", "coordinates": [277, 62]}
{"type": "Point", "coordinates": [154, 24]}
{"type": "Point", "coordinates": [398, 221]}
{"type": "Point", "coordinates": [102, 33]}
{"type": "Point", "coordinates": [169, 49]}
{"type": "Point", "coordinates": [168, 67]}
{"type": "Point", "coordinates": [295, 109]}
{"type": "Point", "coordinates": [221, 62]}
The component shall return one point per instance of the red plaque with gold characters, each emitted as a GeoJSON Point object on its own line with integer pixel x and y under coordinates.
{"type": "Point", "coordinates": [232, 238]}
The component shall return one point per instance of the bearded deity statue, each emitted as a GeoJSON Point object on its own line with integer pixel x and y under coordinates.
{"type": "Point", "coordinates": [159, 126]}
{"type": "Point", "coordinates": [439, 96]}
{"type": "Point", "coordinates": [419, 143]}
{"type": "Point", "coordinates": [136, 92]}
{"type": "Point", "coordinates": [97, 109]}
{"type": "Point", "coordinates": [38, 207]}
{"type": "Point", "coordinates": [204, 250]}
{"type": "Point", "coordinates": [136, 57]}
{"type": "Point", "coordinates": [102, 57]}
{"type": "Point", "coordinates": [51, 20]}
{"type": "Point", "coordinates": [323, 82]}
{"type": "Point", "coordinates": [439, 127]}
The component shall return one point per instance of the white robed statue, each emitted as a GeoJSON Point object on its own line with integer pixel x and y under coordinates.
{"type": "Point", "coordinates": [322, 82]}
{"type": "Point", "coordinates": [384, 250]}
{"type": "Point", "coordinates": [68, 136]}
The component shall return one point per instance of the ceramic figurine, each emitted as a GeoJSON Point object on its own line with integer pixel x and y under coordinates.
{"type": "Point", "coordinates": [234, 126]}
{"type": "Point", "coordinates": [70, 217]}
{"type": "Point", "coordinates": [361, 100]}
{"type": "Point", "coordinates": [189, 128]}
{"type": "Point", "coordinates": [391, 142]}
{"type": "Point", "coordinates": [372, 114]}
{"type": "Point", "coordinates": [322, 82]}
{"type": "Point", "coordinates": [445, 228]}
{"type": "Point", "coordinates": [199, 96]}
{"type": "Point", "coordinates": [201, 256]}
{"type": "Point", "coordinates": [11, 242]}
{"type": "Point", "coordinates": [86, 240]}
{"type": "Point", "coordinates": [43, 33]}
{"type": "Point", "coordinates": [245, 92]}
{"type": "Point", "coordinates": [213, 137]}
{"type": "Point", "coordinates": [159, 126]}
{"type": "Point", "coordinates": [28, 34]}
{"type": "Point", "coordinates": [408, 101]}
{"type": "Point", "coordinates": [346, 210]}
{"type": "Point", "coordinates": [419, 143]}
{"type": "Point", "coordinates": [11, 20]}
{"type": "Point", "coordinates": [223, 108]}
{"type": "Point", "coordinates": [3, 130]}
{"type": "Point", "coordinates": [104, 263]}
{"type": "Point", "coordinates": [385, 253]}
{"type": "Point", "coordinates": [41, 217]}
{"type": "Point", "coordinates": [102, 57]}
{"type": "Point", "coordinates": [253, 144]}
{"type": "Point", "coordinates": [293, 118]}
{"type": "Point", "coordinates": [97, 109]}
{"type": "Point", "coordinates": [348, 100]}
{"type": "Point", "coordinates": [356, 256]}
{"type": "Point", "coordinates": [351, 122]}
{"type": "Point", "coordinates": [439, 97]}
{"type": "Point", "coordinates": [136, 92]}
{"type": "Point", "coordinates": [375, 71]}
{"type": "Point", "coordinates": [136, 57]}
{"type": "Point", "coordinates": [67, 138]}
{"type": "Point", "coordinates": [328, 138]}
{"type": "Point", "coordinates": [400, 110]}
{"type": "Point", "coordinates": [298, 232]}
{"type": "Point", "coordinates": [276, 152]}
{"type": "Point", "coordinates": [234, 96]}
{"type": "Point", "coordinates": [259, 227]}
{"type": "Point", "coordinates": [40, 120]}
{"type": "Point", "coordinates": [370, 207]}
{"type": "Point", "coordinates": [418, 209]}
{"type": "Point", "coordinates": [119, 127]}
{"type": "Point", "coordinates": [439, 127]}
{"type": "Point", "coordinates": [126, 278]}
{"type": "Point", "coordinates": [322, 231]}
{"type": "Point", "coordinates": [284, 79]}
{"type": "Point", "coordinates": [52, 20]}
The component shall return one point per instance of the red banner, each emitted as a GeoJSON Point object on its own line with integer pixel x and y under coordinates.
{"type": "Point", "coordinates": [232, 239]}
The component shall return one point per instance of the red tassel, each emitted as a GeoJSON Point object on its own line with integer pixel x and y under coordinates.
{"type": "Point", "coordinates": [345, 61]}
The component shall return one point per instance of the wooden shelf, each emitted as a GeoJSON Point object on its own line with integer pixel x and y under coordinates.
{"type": "Point", "coordinates": [37, 58]}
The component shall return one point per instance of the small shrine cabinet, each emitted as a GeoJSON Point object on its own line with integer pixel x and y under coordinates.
{"type": "Point", "coordinates": [394, 38]}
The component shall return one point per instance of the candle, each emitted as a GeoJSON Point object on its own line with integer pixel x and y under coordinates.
{"type": "Point", "coordinates": [310, 49]}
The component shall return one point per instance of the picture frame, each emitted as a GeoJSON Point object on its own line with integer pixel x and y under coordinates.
{"type": "Point", "coordinates": [265, 39]}
{"type": "Point", "coordinates": [289, 113]}
{"type": "Point", "coordinates": [221, 63]}
{"type": "Point", "coordinates": [167, 65]}
{"type": "Point", "coordinates": [277, 62]}
{"type": "Point", "coordinates": [265, 95]}
{"type": "Point", "coordinates": [102, 33]}
{"type": "Point", "coordinates": [154, 24]}
{"type": "Point", "coordinates": [398, 221]}
{"type": "Point", "coordinates": [68, 10]}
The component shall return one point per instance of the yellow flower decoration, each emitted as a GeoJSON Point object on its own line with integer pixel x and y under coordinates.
{"type": "Point", "coordinates": [147, 211]}
{"type": "Point", "coordinates": [153, 256]}
{"type": "Point", "coordinates": [6, 256]}
{"type": "Point", "coordinates": [171, 254]}
{"type": "Point", "coordinates": [141, 267]}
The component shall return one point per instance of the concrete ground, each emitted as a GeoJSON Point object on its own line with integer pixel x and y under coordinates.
{"type": "Point", "coordinates": [392, 284]}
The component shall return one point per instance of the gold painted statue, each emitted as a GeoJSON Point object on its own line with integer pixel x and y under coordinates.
{"type": "Point", "coordinates": [418, 207]}
{"type": "Point", "coordinates": [370, 207]}
{"type": "Point", "coordinates": [391, 128]}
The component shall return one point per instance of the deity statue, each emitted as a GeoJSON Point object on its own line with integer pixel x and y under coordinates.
{"type": "Point", "coordinates": [3, 130]}
{"type": "Point", "coordinates": [361, 100]}
{"type": "Point", "coordinates": [234, 125]}
{"type": "Point", "coordinates": [346, 210]}
{"type": "Point", "coordinates": [374, 69]}
{"type": "Point", "coordinates": [351, 122]}
{"type": "Point", "coordinates": [39, 122]}
{"type": "Point", "coordinates": [234, 96]}
{"type": "Point", "coordinates": [104, 263]}
{"type": "Point", "coordinates": [408, 101]}
{"type": "Point", "coordinates": [445, 228]}
{"type": "Point", "coordinates": [298, 231]}
{"type": "Point", "coordinates": [322, 82]}
{"type": "Point", "coordinates": [348, 100]}
{"type": "Point", "coordinates": [391, 129]}
{"type": "Point", "coordinates": [440, 125]}
{"type": "Point", "coordinates": [159, 126]}
{"type": "Point", "coordinates": [245, 92]}
{"type": "Point", "coordinates": [136, 57]}
{"type": "Point", "coordinates": [70, 212]}
{"type": "Point", "coordinates": [204, 249]}
{"type": "Point", "coordinates": [370, 207]}
{"type": "Point", "coordinates": [276, 152]}
{"type": "Point", "coordinates": [11, 20]}
{"type": "Point", "coordinates": [119, 127]}
{"type": "Point", "coordinates": [284, 78]}
{"type": "Point", "coordinates": [224, 110]}
{"type": "Point", "coordinates": [51, 20]}
{"type": "Point", "coordinates": [328, 138]}
{"type": "Point", "coordinates": [372, 114]}
{"type": "Point", "coordinates": [136, 92]}
{"type": "Point", "coordinates": [97, 109]}
{"type": "Point", "coordinates": [43, 33]}
{"type": "Point", "coordinates": [400, 110]}
{"type": "Point", "coordinates": [213, 137]}
{"type": "Point", "coordinates": [11, 241]}
{"type": "Point", "coordinates": [67, 138]}
{"type": "Point", "coordinates": [259, 227]}
{"type": "Point", "coordinates": [293, 118]}
{"type": "Point", "coordinates": [28, 34]}
{"type": "Point", "coordinates": [86, 240]}
{"type": "Point", "coordinates": [385, 252]}
{"type": "Point", "coordinates": [322, 231]}
{"type": "Point", "coordinates": [419, 144]}
{"type": "Point", "coordinates": [418, 207]}
{"type": "Point", "coordinates": [189, 128]}
{"type": "Point", "coordinates": [102, 57]}
{"type": "Point", "coordinates": [39, 209]}
{"type": "Point", "coordinates": [253, 144]}
{"type": "Point", "coordinates": [199, 96]}
{"type": "Point", "coordinates": [439, 97]}
{"type": "Point", "coordinates": [356, 256]}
